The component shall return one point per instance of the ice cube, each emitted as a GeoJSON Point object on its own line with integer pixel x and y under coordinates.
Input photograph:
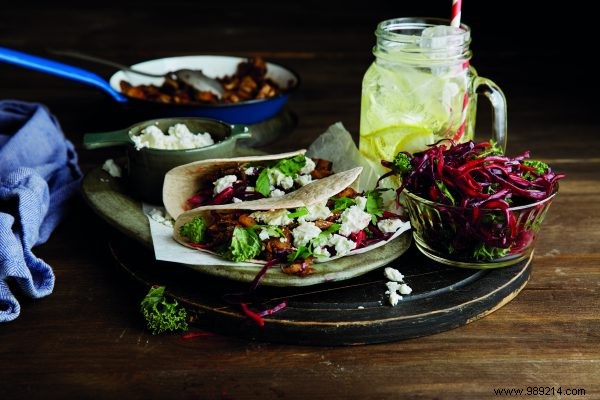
{"type": "Point", "coordinates": [443, 37]}
{"type": "Point", "coordinates": [444, 45]}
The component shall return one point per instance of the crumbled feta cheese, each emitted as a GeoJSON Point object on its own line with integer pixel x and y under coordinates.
{"type": "Point", "coordinates": [390, 225]}
{"type": "Point", "coordinates": [396, 285]}
{"type": "Point", "coordinates": [112, 168]}
{"type": "Point", "coordinates": [353, 219]}
{"type": "Point", "coordinates": [361, 202]}
{"type": "Point", "coordinates": [341, 244]}
{"type": "Point", "coordinates": [320, 251]}
{"type": "Point", "coordinates": [304, 232]}
{"type": "Point", "coordinates": [303, 180]}
{"type": "Point", "coordinates": [276, 193]}
{"type": "Point", "coordinates": [268, 232]}
{"type": "Point", "coordinates": [315, 212]}
{"type": "Point", "coordinates": [223, 183]}
{"type": "Point", "coordinates": [151, 136]}
{"type": "Point", "coordinates": [394, 298]}
{"type": "Point", "coordinates": [393, 274]}
{"type": "Point", "coordinates": [392, 286]}
{"type": "Point", "coordinates": [278, 178]}
{"type": "Point", "coordinates": [275, 217]}
{"type": "Point", "coordinates": [185, 139]}
{"type": "Point", "coordinates": [236, 200]}
{"type": "Point", "coordinates": [250, 189]}
{"type": "Point", "coordinates": [405, 289]}
{"type": "Point", "coordinates": [308, 167]}
{"type": "Point", "coordinates": [250, 171]}
{"type": "Point", "coordinates": [161, 218]}
{"type": "Point", "coordinates": [179, 137]}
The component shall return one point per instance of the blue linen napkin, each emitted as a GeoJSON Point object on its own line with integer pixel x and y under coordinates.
{"type": "Point", "coordinates": [38, 173]}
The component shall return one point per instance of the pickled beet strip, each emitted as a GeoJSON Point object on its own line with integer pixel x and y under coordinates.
{"type": "Point", "coordinates": [193, 335]}
{"type": "Point", "coordinates": [273, 310]}
{"type": "Point", "coordinates": [198, 245]}
{"type": "Point", "coordinates": [223, 197]}
{"type": "Point", "coordinates": [252, 315]}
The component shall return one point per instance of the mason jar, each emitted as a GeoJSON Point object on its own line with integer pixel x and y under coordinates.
{"type": "Point", "coordinates": [421, 88]}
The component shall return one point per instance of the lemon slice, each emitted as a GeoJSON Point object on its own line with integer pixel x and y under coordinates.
{"type": "Point", "coordinates": [385, 143]}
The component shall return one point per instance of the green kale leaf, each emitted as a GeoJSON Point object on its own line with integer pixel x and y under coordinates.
{"type": "Point", "coordinates": [162, 315]}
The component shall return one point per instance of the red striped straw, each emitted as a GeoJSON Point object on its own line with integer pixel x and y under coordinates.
{"type": "Point", "coordinates": [455, 22]}
{"type": "Point", "coordinates": [455, 19]}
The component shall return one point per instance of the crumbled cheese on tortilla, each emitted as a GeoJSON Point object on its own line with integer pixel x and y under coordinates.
{"type": "Point", "coordinates": [304, 233]}
{"type": "Point", "coordinates": [303, 180]}
{"type": "Point", "coordinates": [315, 212]}
{"type": "Point", "coordinates": [276, 193]}
{"type": "Point", "coordinates": [278, 178]}
{"type": "Point", "coordinates": [353, 219]}
{"type": "Point", "coordinates": [308, 167]}
{"type": "Point", "coordinates": [321, 251]}
{"type": "Point", "coordinates": [361, 202]}
{"type": "Point", "coordinates": [223, 183]}
{"type": "Point", "coordinates": [250, 171]}
{"type": "Point", "coordinates": [390, 225]}
{"type": "Point", "coordinates": [341, 244]}
{"type": "Point", "coordinates": [264, 234]}
{"type": "Point", "coordinates": [275, 217]}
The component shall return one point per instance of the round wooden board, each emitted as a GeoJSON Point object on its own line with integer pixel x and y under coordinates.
{"type": "Point", "coordinates": [351, 312]}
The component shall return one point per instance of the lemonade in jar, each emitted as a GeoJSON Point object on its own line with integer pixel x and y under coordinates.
{"type": "Point", "coordinates": [421, 89]}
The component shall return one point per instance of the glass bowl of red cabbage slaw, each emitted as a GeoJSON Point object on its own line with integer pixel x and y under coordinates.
{"type": "Point", "coordinates": [474, 237]}
{"type": "Point", "coordinates": [470, 205]}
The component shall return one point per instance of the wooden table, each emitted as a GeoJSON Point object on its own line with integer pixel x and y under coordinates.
{"type": "Point", "coordinates": [87, 339]}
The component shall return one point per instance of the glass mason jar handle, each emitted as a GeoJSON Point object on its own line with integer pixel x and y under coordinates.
{"type": "Point", "coordinates": [499, 124]}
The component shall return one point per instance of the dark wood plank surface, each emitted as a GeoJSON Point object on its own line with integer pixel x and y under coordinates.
{"type": "Point", "coordinates": [86, 340]}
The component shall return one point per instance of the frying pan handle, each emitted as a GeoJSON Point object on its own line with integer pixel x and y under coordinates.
{"type": "Point", "coordinates": [240, 132]}
{"type": "Point", "coordinates": [105, 139]}
{"type": "Point", "coordinates": [59, 69]}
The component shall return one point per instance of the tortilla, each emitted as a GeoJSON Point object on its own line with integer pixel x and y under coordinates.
{"type": "Point", "coordinates": [313, 193]}
{"type": "Point", "coordinates": [184, 181]}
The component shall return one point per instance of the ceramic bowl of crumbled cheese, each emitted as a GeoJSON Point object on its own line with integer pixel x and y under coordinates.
{"type": "Point", "coordinates": [154, 147]}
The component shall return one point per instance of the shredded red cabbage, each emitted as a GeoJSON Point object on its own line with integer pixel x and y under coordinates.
{"type": "Point", "coordinates": [242, 299]}
{"type": "Point", "coordinates": [482, 186]}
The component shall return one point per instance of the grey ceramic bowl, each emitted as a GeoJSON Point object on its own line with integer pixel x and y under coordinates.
{"type": "Point", "coordinates": [146, 167]}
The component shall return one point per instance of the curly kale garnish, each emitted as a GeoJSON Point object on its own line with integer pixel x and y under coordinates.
{"type": "Point", "coordinates": [161, 315]}
{"type": "Point", "coordinates": [401, 164]}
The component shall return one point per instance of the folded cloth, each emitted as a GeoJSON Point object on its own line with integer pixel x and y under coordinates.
{"type": "Point", "coordinates": [38, 173]}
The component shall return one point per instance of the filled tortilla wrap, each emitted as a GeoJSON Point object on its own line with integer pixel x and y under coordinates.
{"type": "Point", "coordinates": [320, 221]}
{"type": "Point", "coordinates": [223, 181]}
